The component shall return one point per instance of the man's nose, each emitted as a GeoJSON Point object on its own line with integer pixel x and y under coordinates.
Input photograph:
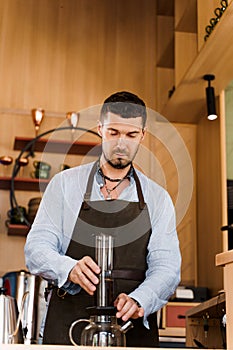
{"type": "Point", "coordinates": [121, 141]}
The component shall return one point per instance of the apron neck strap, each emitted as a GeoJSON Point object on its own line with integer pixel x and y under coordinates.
{"type": "Point", "coordinates": [87, 194]}
{"type": "Point", "coordinates": [139, 190]}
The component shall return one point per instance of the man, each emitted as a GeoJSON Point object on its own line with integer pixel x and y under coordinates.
{"type": "Point", "coordinates": [107, 196]}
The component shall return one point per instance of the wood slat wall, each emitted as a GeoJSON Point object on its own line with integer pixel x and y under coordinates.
{"type": "Point", "coordinates": [209, 203]}
{"type": "Point", "coordinates": [174, 168]}
{"type": "Point", "coordinates": [68, 55]}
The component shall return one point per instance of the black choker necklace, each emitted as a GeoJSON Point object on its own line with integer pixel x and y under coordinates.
{"type": "Point", "coordinates": [109, 179]}
{"type": "Point", "coordinates": [112, 180]}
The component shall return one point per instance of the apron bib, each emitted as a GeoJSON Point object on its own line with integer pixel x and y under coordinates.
{"type": "Point", "coordinates": [129, 224]}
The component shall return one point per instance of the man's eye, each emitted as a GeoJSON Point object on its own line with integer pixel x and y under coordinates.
{"type": "Point", "coordinates": [133, 135]}
{"type": "Point", "coordinates": [112, 132]}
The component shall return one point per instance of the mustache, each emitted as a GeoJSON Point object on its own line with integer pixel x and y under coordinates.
{"type": "Point", "coordinates": [121, 150]}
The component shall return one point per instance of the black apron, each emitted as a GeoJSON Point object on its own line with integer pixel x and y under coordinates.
{"type": "Point", "coordinates": [129, 224]}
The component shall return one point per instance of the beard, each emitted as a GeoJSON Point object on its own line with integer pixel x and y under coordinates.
{"type": "Point", "coordinates": [119, 163]}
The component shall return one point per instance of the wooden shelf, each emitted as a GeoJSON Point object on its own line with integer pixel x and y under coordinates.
{"type": "Point", "coordinates": [17, 230]}
{"type": "Point", "coordinates": [224, 258]}
{"type": "Point", "coordinates": [59, 146]}
{"type": "Point", "coordinates": [188, 103]}
{"type": "Point", "coordinates": [23, 184]}
{"type": "Point", "coordinates": [29, 184]}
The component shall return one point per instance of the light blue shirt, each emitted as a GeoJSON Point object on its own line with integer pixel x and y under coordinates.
{"type": "Point", "coordinates": [53, 226]}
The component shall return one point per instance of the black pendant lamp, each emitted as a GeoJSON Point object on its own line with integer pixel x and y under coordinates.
{"type": "Point", "coordinates": [210, 98]}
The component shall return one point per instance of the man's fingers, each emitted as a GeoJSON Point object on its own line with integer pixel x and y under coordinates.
{"type": "Point", "coordinates": [88, 261]}
{"type": "Point", "coordinates": [120, 301]}
{"type": "Point", "coordinates": [127, 308]}
{"type": "Point", "coordinates": [89, 268]}
{"type": "Point", "coordinates": [83, 274]}
{"type": "Point", "coordinates": [86, 281]}
{"type": "Point", "coordinates": [128, 311]}
{"type": "Point", "coordinates": [140, 312]}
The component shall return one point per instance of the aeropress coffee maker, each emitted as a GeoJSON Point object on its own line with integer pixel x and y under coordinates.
{"type": "Point", "coordinates": [102, 328]}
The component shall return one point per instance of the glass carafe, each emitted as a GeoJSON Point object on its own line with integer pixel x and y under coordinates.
{"type": "Point", "coordinates": [102, 330]}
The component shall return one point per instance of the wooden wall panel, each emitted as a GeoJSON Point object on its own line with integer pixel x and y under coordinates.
{"type": "Point", "coordinates": [167, 173]}
{"type": "Point", "coordinates": [184, 42]}
{"type": "Point", "coordinates": [65, 55]}
{"type": "Point", "coordinates": [165, 83]}
{"type": "Point", "coordinates": [209, 203]}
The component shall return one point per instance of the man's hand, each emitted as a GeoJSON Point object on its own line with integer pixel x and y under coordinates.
{"type": "Point", "coordinates": [127, 308]}
{"type": "Point", "coordinates": [84, 274]}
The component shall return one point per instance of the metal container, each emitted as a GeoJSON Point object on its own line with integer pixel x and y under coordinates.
{"type": "Point", "coordinates": [17, 284]}
{"type": "Point", "coordinates": [10, 327]}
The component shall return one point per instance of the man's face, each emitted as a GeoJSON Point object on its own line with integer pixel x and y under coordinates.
{"type": "Point", "coordinates": [120, 139]}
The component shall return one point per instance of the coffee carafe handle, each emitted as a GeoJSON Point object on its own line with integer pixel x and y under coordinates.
{"type": "Point", "coordinates": [126, 326]}
{"type": "Point", "coordinates": [19, 316]}
{"type": "Point", "coordinates": [72, 327]}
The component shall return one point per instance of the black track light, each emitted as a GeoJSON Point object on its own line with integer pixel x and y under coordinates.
{"type": "Point", "coordinates": [210, 98]}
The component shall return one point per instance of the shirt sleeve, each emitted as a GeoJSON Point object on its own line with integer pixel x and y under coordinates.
{"type": "Point", "coordinates": [163, 259]}
{"type": "Point", "coordinates": [47, 242]}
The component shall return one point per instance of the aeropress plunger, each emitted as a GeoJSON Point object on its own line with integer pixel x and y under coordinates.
{"type": "Point", "coordinates": [104, 289]}
{"type": "Point", "coordinates": [104, 258]}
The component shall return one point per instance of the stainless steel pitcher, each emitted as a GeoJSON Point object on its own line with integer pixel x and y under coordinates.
{"type": "Point", "coordinates": [17, 284]}
{"type": "Point", "coordinates": [10, 319]}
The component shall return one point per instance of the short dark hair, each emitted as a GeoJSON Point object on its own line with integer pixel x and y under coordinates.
{"type": "Point", "coordinates": [125, 104]}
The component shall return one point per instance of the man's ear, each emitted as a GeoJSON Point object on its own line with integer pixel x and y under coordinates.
{"type": "Point", "coordinates": [143, 133]}
{"type": "Point", "coordinates": [99, 128]}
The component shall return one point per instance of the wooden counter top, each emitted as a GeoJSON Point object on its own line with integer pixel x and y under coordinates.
{"type": "Point", "coordinates": [210, 305]}
{"type": "Point", "coordinates": [65, 347]}
{"type": "Point", "coordinates": [61, 347]}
